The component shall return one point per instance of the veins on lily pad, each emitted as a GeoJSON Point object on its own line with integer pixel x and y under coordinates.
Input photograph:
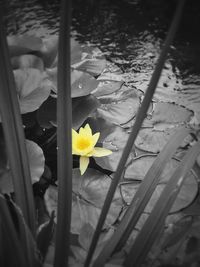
{"type": "Point", "coordinates": [83, 145]}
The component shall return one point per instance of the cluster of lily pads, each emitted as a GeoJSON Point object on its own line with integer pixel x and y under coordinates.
{"type": "Point", "coordinates": [102, 103]}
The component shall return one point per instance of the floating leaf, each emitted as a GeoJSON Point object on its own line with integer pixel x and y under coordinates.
{"type": "Point", "coordinates": [23, 44]}
{"type": "Point", "coordinates": [91, 66]}
{"type": "Point", "coordinates": [170, 113]}
{"type": "Point", "coordinates": [33, 88]}
{"type": "Point", "coordinates": [27, 61]}
{"type": "Point", "coordinates": [138, 169]}
{"type": "Point", "coordinates": [36, 161]}
{"type": "Point", "coordinates": [112, 137]}
{"type": "Point", "coordinates": [119, 108]}
{"type": "Point", "coordinates": [109, 76]}
{"type": "Point", "coordinates": [106, 88]}
{"type": "Point", "coordinates": [76, 51]}
{"type": "Point", "coordinates": [49, 50]}
{"type": "Point", "coordinates": [153, 140]}
{"type": "Point", "coordinates": [89, 195]}
{"type": "Point", "coordinates": [85, 236]}
{"type": "Point", "coordinates": [82, 107]}
{"type": "Point", "coordinates": [82, 83]}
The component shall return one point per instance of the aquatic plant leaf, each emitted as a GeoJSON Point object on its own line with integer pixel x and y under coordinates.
{"type": "Point", "coordinates": [82, 83]}
{"type": "Point", "coordinates": [23, 44]}
{"type": "Point", "coordinates": [85, 236]}
{"type": "Point", "coordinates": [185, 197]}
{"type": "Point", "coordinates": [49, 50]}
{"type": "Point", "coordinates": [140, 165]}
{"type": "Point", "coordinates": [33, 88]}
{"type": "Point", "coordinates": [45, 235]}
{"type": "Point", "coordinates": [110, 76]}
{"type": "Point", "coordinates": [180, 243]}
{"type": "Point", "coordinates": [92, 66]}
{"type": "Point", "coordinates": [170, 113]}
{"type": "Point", "coordinates": [47, 113]}
{"type": "Point", "coordinates": [82, 107]}
{"type": "Point", "coordinates": [112, 137]}
{"type": "Point", "coordinates": [119, 108]}
{"type": "Point", "coordinates": [89, 195]}
{"type": "Point", "coordinates": [36, 162]}
{"type": "Point", "coordinates": [181, 91]}
{"type": "Point", "coordinates": [106, 88]}
{"type": "Point", "coordinates": [76, 51]}
{"type": "Point", "coordinates": [27, 61]}
{"type": "Point", "coordinates": [152, 140]}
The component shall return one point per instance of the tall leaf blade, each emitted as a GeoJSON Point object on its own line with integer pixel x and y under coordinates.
{"type": "Point", "coordinates": [11, 243]}
{"type": "Point", "coordinates": [138, 123]}
{"type": "Point", "coordinates": [14, 135]}
{"type": "Point", "coordinates": [141, 198]}
{"type": "Point", "coordinates": [155, 222]}
{"type": "Point", "coordinates": [64, 121]}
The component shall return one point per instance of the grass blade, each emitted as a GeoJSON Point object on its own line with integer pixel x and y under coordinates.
{"type": "Point", "coordinates": [14, 135]}
{"type": "Point", "coordinates": [154, 223]}
{"type": "Point", "coordinates": [138, 123]}
{"type": "Point", "coordinates": [141, 198]}
{"type": "Point", "coordinates": [64, 121]}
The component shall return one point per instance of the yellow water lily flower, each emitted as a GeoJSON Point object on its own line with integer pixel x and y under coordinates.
{"type": "Point", "coordinates": [83, 145]}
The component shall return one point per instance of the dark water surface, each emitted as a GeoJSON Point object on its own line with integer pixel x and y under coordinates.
{"type": "Point", "coordinates": [130, 33]}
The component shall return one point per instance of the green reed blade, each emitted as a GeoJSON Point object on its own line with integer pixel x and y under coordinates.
{"type": "Point", "coordinates": [11, 245]}
{"type": "Point", "coordinates": [141, 198]}
{"type": "Point", "coordinates": [64, 122]}
{"type": "Point", "coordinates": [155, 221]}
{"type": "Point", "coordinates": [14, 135]}
{"type": "Point", "coordinates": [138, 123]}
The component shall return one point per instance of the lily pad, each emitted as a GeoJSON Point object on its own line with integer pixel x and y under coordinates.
{"type": "Point", "coordinates": [33, 88]}
{"type": "Point", "coordinates": [92, 66]}
{"type": "Point", "coordinates": [27, 61]}
{"type": "Point", "coordinates": [119, 108]}
{"type": "Point", "coordinates": [170, 113]}
{"type": "Point", "coordinates": [23, 44]}
{"type": "Point", "coordinates": [140, 165]}
{"type": "Point", "coordinates": [88, 198]}
{"type": "Point", "coordinates": [82, 83]}
{"type": "Point", "coordinates": [152, 140]}
{"type": "Point", "coordinates": [138, 169]}
{"type": "Point", "coordinates": [82, 107]}
{"type": "Point", "coordinates": [106, 88]}
{"type": "Point", "coordinates": [36, 162]}
{"type": "Point", "coordinates": [112, 137]}
{"type": "Point", "coordinates": [49, 51]}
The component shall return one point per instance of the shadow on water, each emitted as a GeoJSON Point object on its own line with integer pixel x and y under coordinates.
{"type": "Point", "coordinates": [130, 33]}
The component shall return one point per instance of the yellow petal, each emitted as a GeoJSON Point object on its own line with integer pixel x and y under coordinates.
{"type": "Point", "coordinates": [95, 138]}
{"type": "Point", "coordinates": [74, 134]}
{"type": "Point", "coordinates": [84, 161]}
{"type": "Point", "coordinates": [87, 129]}
{"type": "Point", "coordinates": [101, 152]}
{"type": "Point", "coordinates": [81, 130]}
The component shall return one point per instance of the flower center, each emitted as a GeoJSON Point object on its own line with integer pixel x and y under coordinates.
{"type": "Point", "coordinates": [83, 143]}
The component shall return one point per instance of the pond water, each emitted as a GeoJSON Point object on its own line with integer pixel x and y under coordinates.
{"type": "Point", "coordinates": [130, 33]}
